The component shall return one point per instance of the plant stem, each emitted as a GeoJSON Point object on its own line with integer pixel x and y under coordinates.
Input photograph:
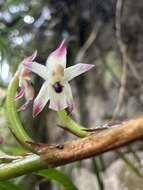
{"type": "Point", "coordinates": [71, 125]}
{"type": "Point", "coordinates": [97, 172]}
{"type": "Point", "coordinates": [15, 123]}
{"type": "Point", "coordinates": [19, 167]}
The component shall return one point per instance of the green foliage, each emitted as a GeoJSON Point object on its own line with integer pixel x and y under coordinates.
{"type": "Point", "coordinates": [59, 177]}
{"type": "Point", "coordinates": [14, 150]}
{"type": "Point", "coordinates": [97, 167]}
{"type": "Point", "coordinates": [7, 185]}
{"type": "Point", "coordinates": [131, 166]}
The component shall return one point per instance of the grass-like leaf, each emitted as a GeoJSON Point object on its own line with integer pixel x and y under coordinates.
{"type": "Point", "coordinates": [130, 164]}
{"type": "Point", "coordinates": [7, 185]}
{"type": "Point", "coordinates": [97, 171]}
{"type": "Point", "coordinates": [59, 177]}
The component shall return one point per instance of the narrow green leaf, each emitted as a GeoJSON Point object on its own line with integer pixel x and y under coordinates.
{"type": "Point", "coordinates": [129, 163]}
{"type": "Point", "coordinates": [135, 155]}
{"type": "Point", "coordinates": [12, 149]}
{"type": "Point", "coordinates": [59, 177]}
{"type": "Point", "coordinates": [97, 171]}
{"type": "Point", "coordinates": [7, 185]}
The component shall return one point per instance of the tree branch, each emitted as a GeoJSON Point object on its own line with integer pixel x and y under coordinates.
{"type": "Point", "coordinates": [93, 144]}
{"type": "Point", "coordinates": [74, 150]}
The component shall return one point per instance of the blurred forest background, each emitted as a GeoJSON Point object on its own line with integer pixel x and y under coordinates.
{"type": "Point", "coordinates": [97, 32]}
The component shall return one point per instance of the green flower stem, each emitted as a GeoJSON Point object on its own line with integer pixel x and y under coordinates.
{"type": "Point", "coordinates": [15, 123]}
{"type": "Point", "coordinates": [20, 167]}
{"type": "Point", "coordinates": [72, 125]}
{"type": "Point", "coordinates": [28, 163]}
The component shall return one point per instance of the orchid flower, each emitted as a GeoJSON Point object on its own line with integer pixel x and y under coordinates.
{"type": "Point", "coordinates": [56, 88]}
{"type": "Point", "coordinates": [26, 88]}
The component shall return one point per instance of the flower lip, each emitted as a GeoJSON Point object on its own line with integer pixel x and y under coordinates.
{"type": "Point", "coordinates": [58, 87]}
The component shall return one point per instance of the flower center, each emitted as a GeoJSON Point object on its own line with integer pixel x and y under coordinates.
{"type": "Point", "coordinates": [58, 87]}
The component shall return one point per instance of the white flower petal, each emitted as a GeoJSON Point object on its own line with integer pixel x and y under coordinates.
{"type": "Point", "coordinates": [41, 99]}
{"type": "Point", "coordinates": [30, 58]}
{"type": "Point", "coordinates": [69, 98]}
{"type": "Point", "coordinates": [37, 68]}
{"type": "Point", "coordinates": [74, 71]}
{"type": "Point", "coordinates": [57, 57]}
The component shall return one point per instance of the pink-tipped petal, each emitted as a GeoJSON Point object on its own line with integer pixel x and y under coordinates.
{"type": "Point", "coordinates": [86, 67]}
{"type": "Point", "coordinates": [57, 57]}
{"type": "Point", "coordinates": [61, 50]}
{"type": "Point", "coordinates": [36, 110]}
{"type": "Point", "coordinates": [33, 56]}
{"type": "Point", "coordinates": [41, 99]}
{"type": "Point", "coordinates": [23, 107]}
{"type": "Point", "coordinates": [28, 60]}
{"type": "Point", "coordinates": [20, 93]}
{"type": "Point", "coordinates": [76, 70]}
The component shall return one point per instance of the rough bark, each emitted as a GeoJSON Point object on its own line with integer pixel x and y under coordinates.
{"type": "Point", "coordinates": [92, 145]}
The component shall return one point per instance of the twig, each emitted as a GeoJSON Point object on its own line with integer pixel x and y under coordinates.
{"type": "Point", "coordinates": [90, 130]}
{"type": "Point", "coordinates": [88, 43]}
{"type": "Point", "coordinates": [68, 130]}
{"type": "Point", "coordinates": [125, 59]}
